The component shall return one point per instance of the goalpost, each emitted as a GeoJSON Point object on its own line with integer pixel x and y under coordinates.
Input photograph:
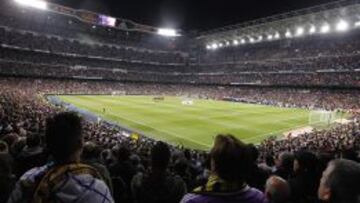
{"type": "Point", "coordinates": [321, 117]}
{"type": "Point", "coordinates": [187, 101]}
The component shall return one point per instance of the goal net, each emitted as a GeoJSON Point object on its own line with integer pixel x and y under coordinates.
{"type": "Point", "coordinates": [321, 117]}
{"type": "Point", "coordinates": [187, 101]}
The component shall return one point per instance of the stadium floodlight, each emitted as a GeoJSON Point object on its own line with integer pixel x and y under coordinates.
{"type": "Point", "coordinates": [33, 3]}
{"type": "Point", "coordinates": [214, 46]}
{"type": "Point", "coordinates": [300, 31]}
{"type": "Point", "coordinates": [270, 37]}
{"type": "Point", "coordinates": [167, 32]}
{"type": "Point", "coordinates": [342, 26]}
{"type": "Point", "coordinates": [312, 29]}
{"type": "Point", "coordinates": [235, 42]}
{"type": "Point", "coordinates": [208, 47]}
{"type": "Point", "coordinates": [277, 35]}
{"type": "Point", "coordinates": [357, 24]}
{"type": "Point", "coordinates": [260, 38]}
{"type": "Point", "coordinates": [288, 34]}
{"type": "Point", "coordinates": [227, 43]}
{"type": "Point", "coordinates": [325, 28]}
{"type": "Point", "coordinates": [243, 41]}
{"type": "Point", "coordinates": [221, 45]}
{"type": "Point", "coordinates": [251, 40]}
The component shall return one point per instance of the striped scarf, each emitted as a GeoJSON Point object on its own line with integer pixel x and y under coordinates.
{"type": "Point", "coordinates": [218, 186]}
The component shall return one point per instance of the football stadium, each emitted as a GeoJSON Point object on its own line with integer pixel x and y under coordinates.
{"type": "Point", "coordinates": [180, 101]}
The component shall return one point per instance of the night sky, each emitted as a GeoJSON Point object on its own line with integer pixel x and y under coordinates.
{"type": "Point", "coordinates": [200, 15]}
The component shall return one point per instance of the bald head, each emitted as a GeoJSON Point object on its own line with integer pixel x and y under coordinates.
{"type": "Point", "coordinates": [277, 189]}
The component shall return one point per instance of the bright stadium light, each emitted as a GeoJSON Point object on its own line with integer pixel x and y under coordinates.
{"type": "Point", "coordinates": [227, 43]}
{"type": "Point", "coordinates": [325, 28]}
{"type": "Point", "coordinates": [208, 47]}
{"type": "Point", "coordinates": [251, 40]}
{"type": "Point", "coordinates": [167, 32]}
{"type": "Point", "coordinates": [33, 3]}
{"type": "Point", "coordinates": [357, 24]}
{"type": "Point", "coordinates": [342, 26]}
{"type": "Point", "coordinates": [260, 38]}
{"type": "Point", "coordinates": [288, 34]}
{"type": "Point", "coordinates": [235, 42]}
{"type": "Point", "coordinates": [277, 35]}
{"type": "Point", "coordinates": [312, 29]}
{"type": "Point", "coordinates": [214, 46]}
{"type": "Point", "coordinates": [300, 31]}
{"type": "Point", "coordinates": [243, 41]}
{"type": "Point", "coordinates": [221, 45]}
{"type": "Point", "coordinates": [270, 37]}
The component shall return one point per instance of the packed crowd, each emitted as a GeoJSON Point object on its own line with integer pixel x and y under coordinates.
{"type": "Point", "coordinates": [123, 169]}
{"type": "Point", "coordinates": [57, 44]}
{"type": "Point", "coordinates": [34, 50]}
{"type": "Point", "coordinates": [312, 79]}
{"type": "Point", "coordinates": [294, 48]}
{"type": "Point", "coordinates": [69, 26]}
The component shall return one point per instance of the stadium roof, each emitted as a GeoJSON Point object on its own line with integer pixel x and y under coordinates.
{"type": "Point", "coordinates": [290, 23]}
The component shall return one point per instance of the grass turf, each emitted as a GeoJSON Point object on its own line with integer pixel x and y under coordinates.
{"type": "Point", "coordinates": [194, 125]}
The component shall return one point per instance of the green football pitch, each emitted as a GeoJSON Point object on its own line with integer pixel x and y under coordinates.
{"type": "Point", "coordinates": [193, 125]}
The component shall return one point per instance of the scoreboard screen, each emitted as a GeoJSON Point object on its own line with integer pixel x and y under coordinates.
{"type": "Point", "coordinates": [106, 20]}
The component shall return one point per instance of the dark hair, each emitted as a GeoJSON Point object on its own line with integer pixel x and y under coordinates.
{"type": "Point", "coordinates": [90, 151]}
{"type": "Point", "coordinates": [344, 181]}
{"type": "Point", "coordinates": [4, 147]}
{"type": "Point", "coordinates": [231, 158]}
{"type": "Point", "coordinates": [33, 140]}
{"type": "Point", "coordinates": [123, 153]}
{"type": "Point", "coordinates": [254, 153]}
{"type": "Point", "coordinates": [287, 160]}
{"type": "Point", "coordinates": [63, 135]}
{"type": "Point", "coordinates": [308, 161]}
{"type": "Point", "coordinates": [160, 155]}
{"type": "Point", "coordinates": [350, 154]}
{"type": "Point", "coordinates": [269, 159]}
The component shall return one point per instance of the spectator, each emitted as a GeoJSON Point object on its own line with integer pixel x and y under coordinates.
{"type": "Point", "coordinates": [158, 185]}
{"type": "Point", "coordinates": [340, 182]}
{"type": "Point", "coordinates": [7, 179]}
{"type": "Point", "coordinates": [65, 179]}
{"type": "Point", "coordinates": [230, 162]}
{"type": "Point", "coordinates": [90, 155]}
{"type": "Point", "coordinates": [277, 190]}
{"type": "Point", "coordinates": [257, 176]}
{"type": "Point", "coordinates": [122, 172]}
{"type": "Point", "coordinates": [32, 155]}
{"type": "Point", "coordinates": [306, 180]}
{"type": "Point", "coordinates": [284, 165]}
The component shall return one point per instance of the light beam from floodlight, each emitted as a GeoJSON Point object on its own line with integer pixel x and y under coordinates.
{"type": "Point", "coordinates": [325, 28]}
{"type": "Point", "coordinates": [342, 26]}
{"type": "Point", "coordinates": [33, 3]}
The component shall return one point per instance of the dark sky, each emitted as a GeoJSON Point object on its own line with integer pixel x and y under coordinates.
{"type": "Point", "coordinates": [189, 15]}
